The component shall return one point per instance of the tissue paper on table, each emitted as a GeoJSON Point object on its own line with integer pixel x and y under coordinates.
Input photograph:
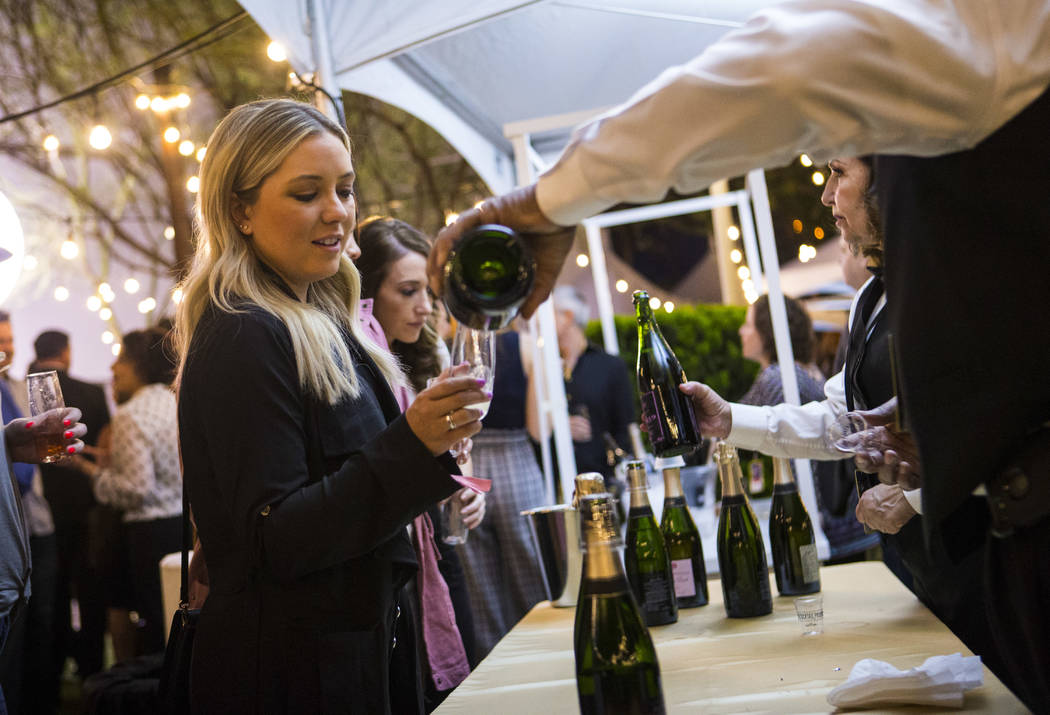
{"type": "Point", "coordinates": [940, 681]}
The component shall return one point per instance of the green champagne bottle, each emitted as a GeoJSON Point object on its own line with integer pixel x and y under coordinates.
{"type": "Point", "coordinates": [791, 536]}
{"type": "Point", "coordinates": [617, 672]}
{"type": "Point", "coordinates": [648, 566]}
{"type": "Point", "coordinates": [682, 540]}
{"type": "Point", "coordinates": [741, 553]}
{"type": "Point", "coordinates": [488, 275]}
{"type": "Point", "coordinates": [666, 411]}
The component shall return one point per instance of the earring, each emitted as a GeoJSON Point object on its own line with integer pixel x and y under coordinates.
{"type": "Point", "coordinates": [244, 228]}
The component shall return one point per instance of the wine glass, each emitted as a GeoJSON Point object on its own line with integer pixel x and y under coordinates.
{"type": "Point", "coordinates": [477, 348]}
{"type": "Point", "coordinates": [850, 433]}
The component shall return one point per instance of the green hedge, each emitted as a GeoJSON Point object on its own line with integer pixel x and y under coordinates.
{"type": "Point", "coordinates": [705, 339]}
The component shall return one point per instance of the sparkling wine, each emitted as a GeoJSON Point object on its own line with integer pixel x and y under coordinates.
{"type": "Point", "coordinates": [488, 275]}
{"type": "Point", "coordinates": [684, 548]}
{"type": "Point", "coordinates": [645, 556]}
{"type": "Point", "coordinates": [791, 536]}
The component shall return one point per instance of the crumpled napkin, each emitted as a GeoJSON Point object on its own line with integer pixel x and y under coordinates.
{"type": "Point", "coordinates": [940, 681]}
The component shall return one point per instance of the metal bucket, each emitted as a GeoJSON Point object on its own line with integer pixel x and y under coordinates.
{"type": "Point", "coordinates": [556, 533]}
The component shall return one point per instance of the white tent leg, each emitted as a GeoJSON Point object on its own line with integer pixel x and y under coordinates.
{"type": "Point", "coordinates": [323, 64]}
{"type": "Point", "coordinates": [602, 295]}
{"type": "Point", "coordinates": [756, 182]}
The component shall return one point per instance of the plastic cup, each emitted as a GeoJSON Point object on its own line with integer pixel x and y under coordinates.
{"type": "Point", "coordinates": [453, 529]}
{"type": "Point", "coordinates": [810, 610]}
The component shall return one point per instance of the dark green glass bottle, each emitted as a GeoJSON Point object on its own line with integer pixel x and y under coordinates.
{"type": "Point", "coordinates": [741, 553]}
{"type": "Point", "coordinates": [666, 412]}
{"type": "Point", "coordinates": [617, 671]}
{"type": "Point", "coordinates": [645, 557]}
{"type": "Point", "coordinates": [488, 275]}
{"type": "Point", "coordinates": [682, 540]}
{"type": "Point", "coordinates": [791, 537]}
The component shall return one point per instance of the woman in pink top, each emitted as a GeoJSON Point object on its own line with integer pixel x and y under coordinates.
{"type": "Point", "coordinates": [397, 312]}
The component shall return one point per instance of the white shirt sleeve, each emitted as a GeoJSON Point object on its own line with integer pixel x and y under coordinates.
{"type": "Point", "coordinates": [826, 77]}
{"type": "Point", "coordinates": [914, 498]}
{"type": "Point", "coordinates": [786, 430]}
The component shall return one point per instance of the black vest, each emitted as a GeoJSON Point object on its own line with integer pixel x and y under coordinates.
{"type": "Point", "coordinates": [868, 381]}
{"type": "Point", "coordinates": [967, 241]}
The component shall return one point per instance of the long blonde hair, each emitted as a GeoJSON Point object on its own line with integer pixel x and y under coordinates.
{"type": "Point", "coordinates": [247, 146]}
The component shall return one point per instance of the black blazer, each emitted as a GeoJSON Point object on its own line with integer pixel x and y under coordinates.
{"type": "Point", "coordinates": [67, 490]}
{"type": "Point", "coordinates": [301, 509]}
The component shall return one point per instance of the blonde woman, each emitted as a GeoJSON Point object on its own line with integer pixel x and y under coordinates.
{"type": "Point", "coordinates": [301, 471]}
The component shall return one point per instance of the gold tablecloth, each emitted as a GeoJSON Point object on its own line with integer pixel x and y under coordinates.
{"type": "Point", "coordinates": [713, 664]}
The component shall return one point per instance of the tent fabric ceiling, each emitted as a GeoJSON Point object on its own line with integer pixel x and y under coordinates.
{"type": "Point", "coordinates": [469, 67]}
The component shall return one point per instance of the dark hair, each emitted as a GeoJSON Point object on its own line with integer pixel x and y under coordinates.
{"type": "Point", "coordinates": [871, 205]}
{"type": "Point", "coordinates": [5, 317]}
{"type": "Point", "coordinates": [383, 242]}
{"type": "Point", "coordinates": [800, 326]}
{"type": "Point", "coordinates": [50, 344]}
{"type": "Point", "coordinates": [150, 354]}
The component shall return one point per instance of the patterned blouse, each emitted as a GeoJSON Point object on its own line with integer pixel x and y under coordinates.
{"type": "Point", "coordinates": [143, 477]}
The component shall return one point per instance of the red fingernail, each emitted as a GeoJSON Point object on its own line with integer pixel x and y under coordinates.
{"type": "Point", "coordinates": [66, 423]}
{"type": "Point", "coordinates": [69, 434]}
{"type": "Point", "coordinates": [29, 424]}
{"type": "Point", "coordinates": [71, 449]}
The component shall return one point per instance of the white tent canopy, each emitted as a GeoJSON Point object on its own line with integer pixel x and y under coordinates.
{"type": "Point", "coordinates": [504, 82]}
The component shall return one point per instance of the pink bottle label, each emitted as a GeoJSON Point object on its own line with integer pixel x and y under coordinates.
{"type": "Point", "coordinates": [651, 419]}
{"type": "Point", "coordinates": [684, 582]}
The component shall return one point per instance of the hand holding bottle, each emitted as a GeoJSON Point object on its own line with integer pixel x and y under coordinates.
{"type": "Point", "coordinates": [548, 242]}
{"type": "Point", "coordinates": [713, 414]}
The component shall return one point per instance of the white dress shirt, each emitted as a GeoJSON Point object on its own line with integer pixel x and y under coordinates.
{"type": "Point", "coordinates": [825, 77]}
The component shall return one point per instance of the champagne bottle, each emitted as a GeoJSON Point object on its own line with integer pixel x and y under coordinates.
{"type": "Point", "coordinates": [488, 275]}
{"type": "Point", "coordinates": [616, 665]}
{"type": "Point", "coordinates": [682, 540]}
{"type": "Point", "coordinates": [648, 566]}
{"type": "Point", "coordinates": [791, 536]}
{"type": "Point", "coordinates": [666, 411]}
{"type": "Point", "coordinates": [741, 553]}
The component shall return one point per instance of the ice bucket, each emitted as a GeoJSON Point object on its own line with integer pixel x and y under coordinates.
{"type": "Point", "coordinates": [556, 533]}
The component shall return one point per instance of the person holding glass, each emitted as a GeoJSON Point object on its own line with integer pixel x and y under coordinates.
{"type": "Point", "coordinates": [398, 313]}
{"type": "Point", "coordinates": [301, 470]}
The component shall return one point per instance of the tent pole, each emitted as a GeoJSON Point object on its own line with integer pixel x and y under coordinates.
{"type": "Point", "coordinates": [324, 67]}
{"type": "Point", "coordinates": [756, 182]}
{"type": "Point", "coordinates": [600, 274]}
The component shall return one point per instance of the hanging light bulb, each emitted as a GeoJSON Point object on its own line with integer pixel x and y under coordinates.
{"type": "Point", "coordinates": [743, 273]}
{"type": "Point", "coordinates": [142, 102]}
{"type": "Point", "coordinates": [186, 147]}
{"type": "Point", "coordinates": [733, 233]}
{"type": "Point", "coordinates": [94, 303]}
{"type": "Point", "coordinates": [181, 100]}
{"type": "Point", "coordinates": [654, 303]}
{"type": "Point", "coordinates": [818, 178]}
{"type": "Point", "coordinates": [69, 250]}
{"type": "Point", "coordinates": [193, 184]}
{"type": "Point", "coordinates": [583, 260]}
{"type": "Point", "coordinates": [107, 337]}
{"type": "Point", "coordinates": [147, 304]}
{"type": "Point", "coordinates": [169, 232]}
{"type": "Point", "coordinates": [176, 296]}
{"type": "Point", "coordinates": [105, 314]}
{"type": "Point", "coordinates": [115, 349]}
{"type": "Point", "coordinates": [51, 143]}
{"type": "Point", "coordinates": [805, 160]}
{"type": "Point", "coordinates": [736, 256]}
{"type": "Point", "coordinates": [201, 152]}
{"type": "Point", "coordinates": [276, 52]}
{"type": "Point", "coordinates": [61, 294]}
{"type": "Point", "coordinates": [669, 307]}
{"type": "Point", "coordinates": [159, 105]}
{"type": "Point", "coordinates": [621, 286]}
{"type": "Point", "coordinates": [171, 135]}
{"type": "Point", "coordinates": [100, 138]}
{"type": "Point", "coordinates": [131, 285]}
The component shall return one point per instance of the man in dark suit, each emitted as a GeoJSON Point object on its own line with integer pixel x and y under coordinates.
{"type": "Point", "coordinates": [72, 501]}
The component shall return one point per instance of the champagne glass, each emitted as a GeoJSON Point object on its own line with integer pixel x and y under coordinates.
{"type": "Point", "coordinates": [477, 348]}
{"type": "Point", "coordinates": [850, 433]}
{"type": "Point", "coordinates": [45, 393]}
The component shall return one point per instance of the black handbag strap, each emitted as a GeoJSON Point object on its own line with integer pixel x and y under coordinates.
{"type": "Point", "coordinates": [187, 546]}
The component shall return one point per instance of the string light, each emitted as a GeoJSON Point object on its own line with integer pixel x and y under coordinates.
{"type": "Point", "coordinates": [147, 304]}
{"type": "Point", "coordinates": [186, 147]}
{"type": "Point", "coordinates": [796, 226]}
{"type": "Point", "coordinates": [115, 349]}
{"type": "Point", "coordinates": [818, 233]}
{"type": "Point", "coordinates": [276, 52]}
{"type": "Point", "coordinates": [142, 102]}
{"type": "Point", "coordinates": [806, 253]}
{"type": "Point", "coordinates": [61, 294]}
{"type": "Point", "coordinates": [100, 138]}
{"type": "Point", "coordinates": [131, 286]}
{"type": "Point", "coordinates": [171, 135]}
{"type": "Point", "coordinates": [176, 296]}
{"type": "Point", "coordinates": [736, 256]}
{"type": "Point", "coordinates": [51, 143]}
{"type": "Point", "coordinates": [201, 152]}
{"type": "Point", "coordinates": [743, 273]}
{"type": "Point", "coordinates": [733, 232]}
{"type": "Point", "coordinates": [107, 337]}
{"type": "Point", "coordinates": [69, 250]}
{"type": "Point", "coordinates": [193, 184]}
{"type": "Point", "coordinates": [582, 260]}
{"type": "Point", "coordinates": [181, 100]}
{"type": "Point", "coordinates": [654, 303]}
{"type": "Point", "coordinates": [169, 232]}
{"type": "Point", "coordinates": [94, 303]}
{"type": "Point", "coordinates": [818, 178]}
{"type": "Point", "coordinates": [669, 307]}
{"type": "Point", "coordinates": [160, 105]}
{"type": "Point", "coordinates": [805, 160]}
{"type": "Point", "coordinates": [105, 314]}
{"type": "Point", "coordinates": [106, 291]}
{"type": "Point", "coordinates": [621, 286]}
